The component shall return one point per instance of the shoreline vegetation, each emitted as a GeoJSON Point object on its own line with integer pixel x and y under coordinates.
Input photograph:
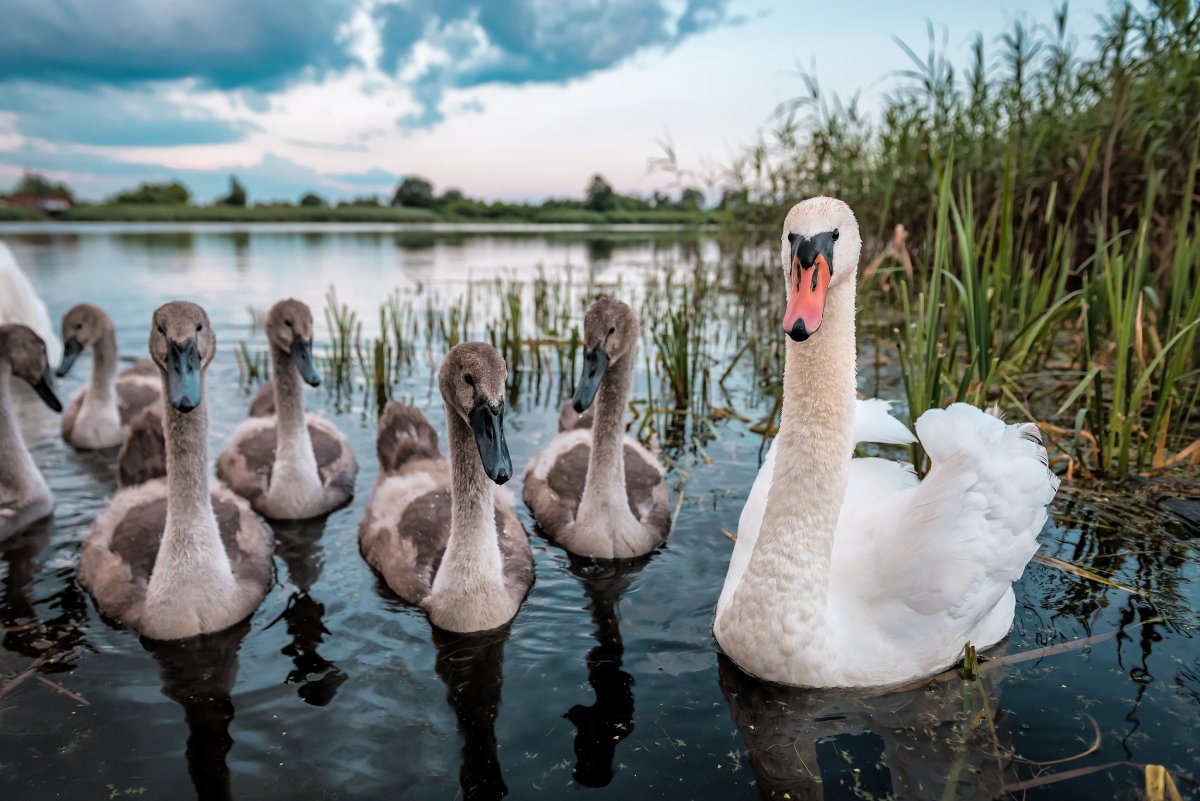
{"type": "Point", "coordinates": [36, 198]}
{"type": "Point", "coordinates": [284, 213]}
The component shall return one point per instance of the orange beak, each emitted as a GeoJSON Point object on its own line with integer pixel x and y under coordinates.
{"type": "Point", "coordinates": [806, 300]}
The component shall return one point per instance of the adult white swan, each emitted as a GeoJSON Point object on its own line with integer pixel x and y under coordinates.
{"type": "Point", "coordinates": [19, 301]}
{"type": "Point", "coordinates": [851, 572]}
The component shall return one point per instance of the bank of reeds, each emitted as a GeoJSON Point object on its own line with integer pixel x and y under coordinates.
{"type": "Point", "coordinates": [1051, 206]}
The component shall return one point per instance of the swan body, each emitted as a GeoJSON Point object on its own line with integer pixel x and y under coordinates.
{"type": "Point", "coordinates": [851, 572]}
{"type": "Point", "coordinates": [290, 465]}
{"type": "Point", "coordinates": [97, 413]}
{"type": "Point", "coordinates": [25, 497]}
{"type": "Point", "coordinates": [173, 558]}
{"type": "Point", "coordinates": [438, 532]}
{"type": "Point", "coordinates": [19, 302]}
{"type": "Point", "coordinates": [595, 491]}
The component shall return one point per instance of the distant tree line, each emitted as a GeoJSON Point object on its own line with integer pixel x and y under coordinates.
{"type": "Point", "coordinates": [413, 192]}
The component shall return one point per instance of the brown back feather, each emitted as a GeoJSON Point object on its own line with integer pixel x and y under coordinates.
{"type": "Point", "coordinates": [404, 435]}
{"type": "Point", "coordinates": [143, 453]}
{"type": "Point", "coordinates": [263, 404]}
{"type": "Point", "coordinates": [139, 533]}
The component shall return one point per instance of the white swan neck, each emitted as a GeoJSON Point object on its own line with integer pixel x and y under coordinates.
{"type": "Point", "coordinates": [191, 551]}
{"type": "Point", "coordinates": [294, 456]}
{"type": "Point", "coordinates": [103, 385]}
{"type": "Point", "coordinates": [787, 578]}
{"type": "Point", "coordinates": [606, 464]}
{"type": "Point", "coordinates": [472, 556]}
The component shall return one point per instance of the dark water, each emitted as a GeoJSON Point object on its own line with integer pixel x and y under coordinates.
{"type": "Point", "coordinates": [608, 681]}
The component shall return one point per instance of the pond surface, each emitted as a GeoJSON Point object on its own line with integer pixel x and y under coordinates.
{"type": "Point", "coordinates": [608, 682]}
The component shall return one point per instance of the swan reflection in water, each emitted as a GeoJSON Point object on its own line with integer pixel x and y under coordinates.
{"type": "Point", "coordinates": [600, 727]}
{"type": "Point", "coordinates": [471, 667]}
{"type": "Point", "coordinates": [931, 742]}
{"type": "Point", "coordinates": [198, 674]}
{"type": "Point", "coordinates": [297, 543]}
{"type": "Point", "coordinates": [25, 631]}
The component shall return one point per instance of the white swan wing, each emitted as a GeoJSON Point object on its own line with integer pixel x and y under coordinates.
{"type": "Point", "coordinates": [873, 422]}
{"type": "Point", "coordinates": [19, 303]}
{"type": "Point", "coordinates": [948, 548]}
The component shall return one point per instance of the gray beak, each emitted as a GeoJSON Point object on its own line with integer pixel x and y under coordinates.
{"type": "Point", "coordinates": [45, 390]}
{"type": "Point", "coordinates": [71, 351]}
{"type": "Point", "coordinates": [595, 362]}
{"type": "Point", "coordinates": [302, 357]}
{"type": "Point", "coordinates": [183, 374]}
{"type": "Point", "coordinates": [487, 423]}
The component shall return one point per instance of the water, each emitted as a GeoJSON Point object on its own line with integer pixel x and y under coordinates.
{"type": "Point", "coordinates": [608, 678]}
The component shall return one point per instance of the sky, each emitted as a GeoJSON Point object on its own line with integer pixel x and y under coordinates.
{"type": "Point", "coordinates": [503, 99]}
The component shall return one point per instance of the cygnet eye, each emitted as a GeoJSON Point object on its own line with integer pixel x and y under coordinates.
{"type": "Point", "coordinates": [470, 379]}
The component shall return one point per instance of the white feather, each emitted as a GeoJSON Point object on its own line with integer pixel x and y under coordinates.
{"type": "Point", "coordinates": [19, 303]}
{"type": "Point", "coordinates": [921, 567]}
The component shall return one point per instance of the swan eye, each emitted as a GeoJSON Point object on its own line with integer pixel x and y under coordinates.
{"type": "Point", "coordinates": [470, 379]}
{"type": "Point", "coordinates": [836, 234]}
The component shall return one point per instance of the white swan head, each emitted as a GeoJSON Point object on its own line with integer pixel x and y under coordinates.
{"type": "Point", "coordinates": [472, 382]}
{"type": "Point", "coordinates": [289, 328]}
{"type": "Point", "coordinates": [610, 332]}
{"type": "Point", "coordinates": [82, 327]}
{"type": "Point", "coordinates": [182, 344]}
{"type": "Point", "coordinates": [819, 250]}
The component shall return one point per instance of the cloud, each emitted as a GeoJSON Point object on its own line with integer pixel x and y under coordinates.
{"type": "Point", "coordinates": [107, 117]}
{"type": "Point", "coordinates": [117, 74]}
{"type": "Point", "coordinates": [466, 43]}
{"type": "Point", "coordinates": [272, 177]}
{"type": "Point", "coordinates": [224, 44]}
{"type": "Point", "coordinates": [373, 179]}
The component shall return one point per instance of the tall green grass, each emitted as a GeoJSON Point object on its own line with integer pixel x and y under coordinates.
{"type": "Point", "coordinates": [1053, 216]}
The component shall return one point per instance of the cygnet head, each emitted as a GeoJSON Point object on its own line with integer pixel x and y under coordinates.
{"type": "Point", "coordinates": [819, 249]}
{"type": "Point", "coordinates": [289, 328]}
{"type": "Point", "coordinates": [82, 327]}
{"type": "Point", "coordinates": [472, 381]}
{"type": "Point", "coordinates": [610, 333]}
{"type": "Point", "coordinates": [25, 353]}
{"type": "Point", "coordinates": [182, 344]}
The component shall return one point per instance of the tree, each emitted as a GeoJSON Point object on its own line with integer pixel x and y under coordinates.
{"type": "Point", "coordinates": [166, 193]}
{"type": "Point", "coordinates": [600, 195]}
{"type": "Point", "coordinates": [312, 200]}
{"type": "Point", "coordinates": [361, 200]}
{"type": "Point", "coordinates": [237, 193]}
{"type": "Point", "coordinates": [414, 191]}
{"type": "Point", "coordinates": [451, 196]}
{"type": "Point", "coordinates": [34, 184]}
{"type": "Point", "coordinates": [691, 199]}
